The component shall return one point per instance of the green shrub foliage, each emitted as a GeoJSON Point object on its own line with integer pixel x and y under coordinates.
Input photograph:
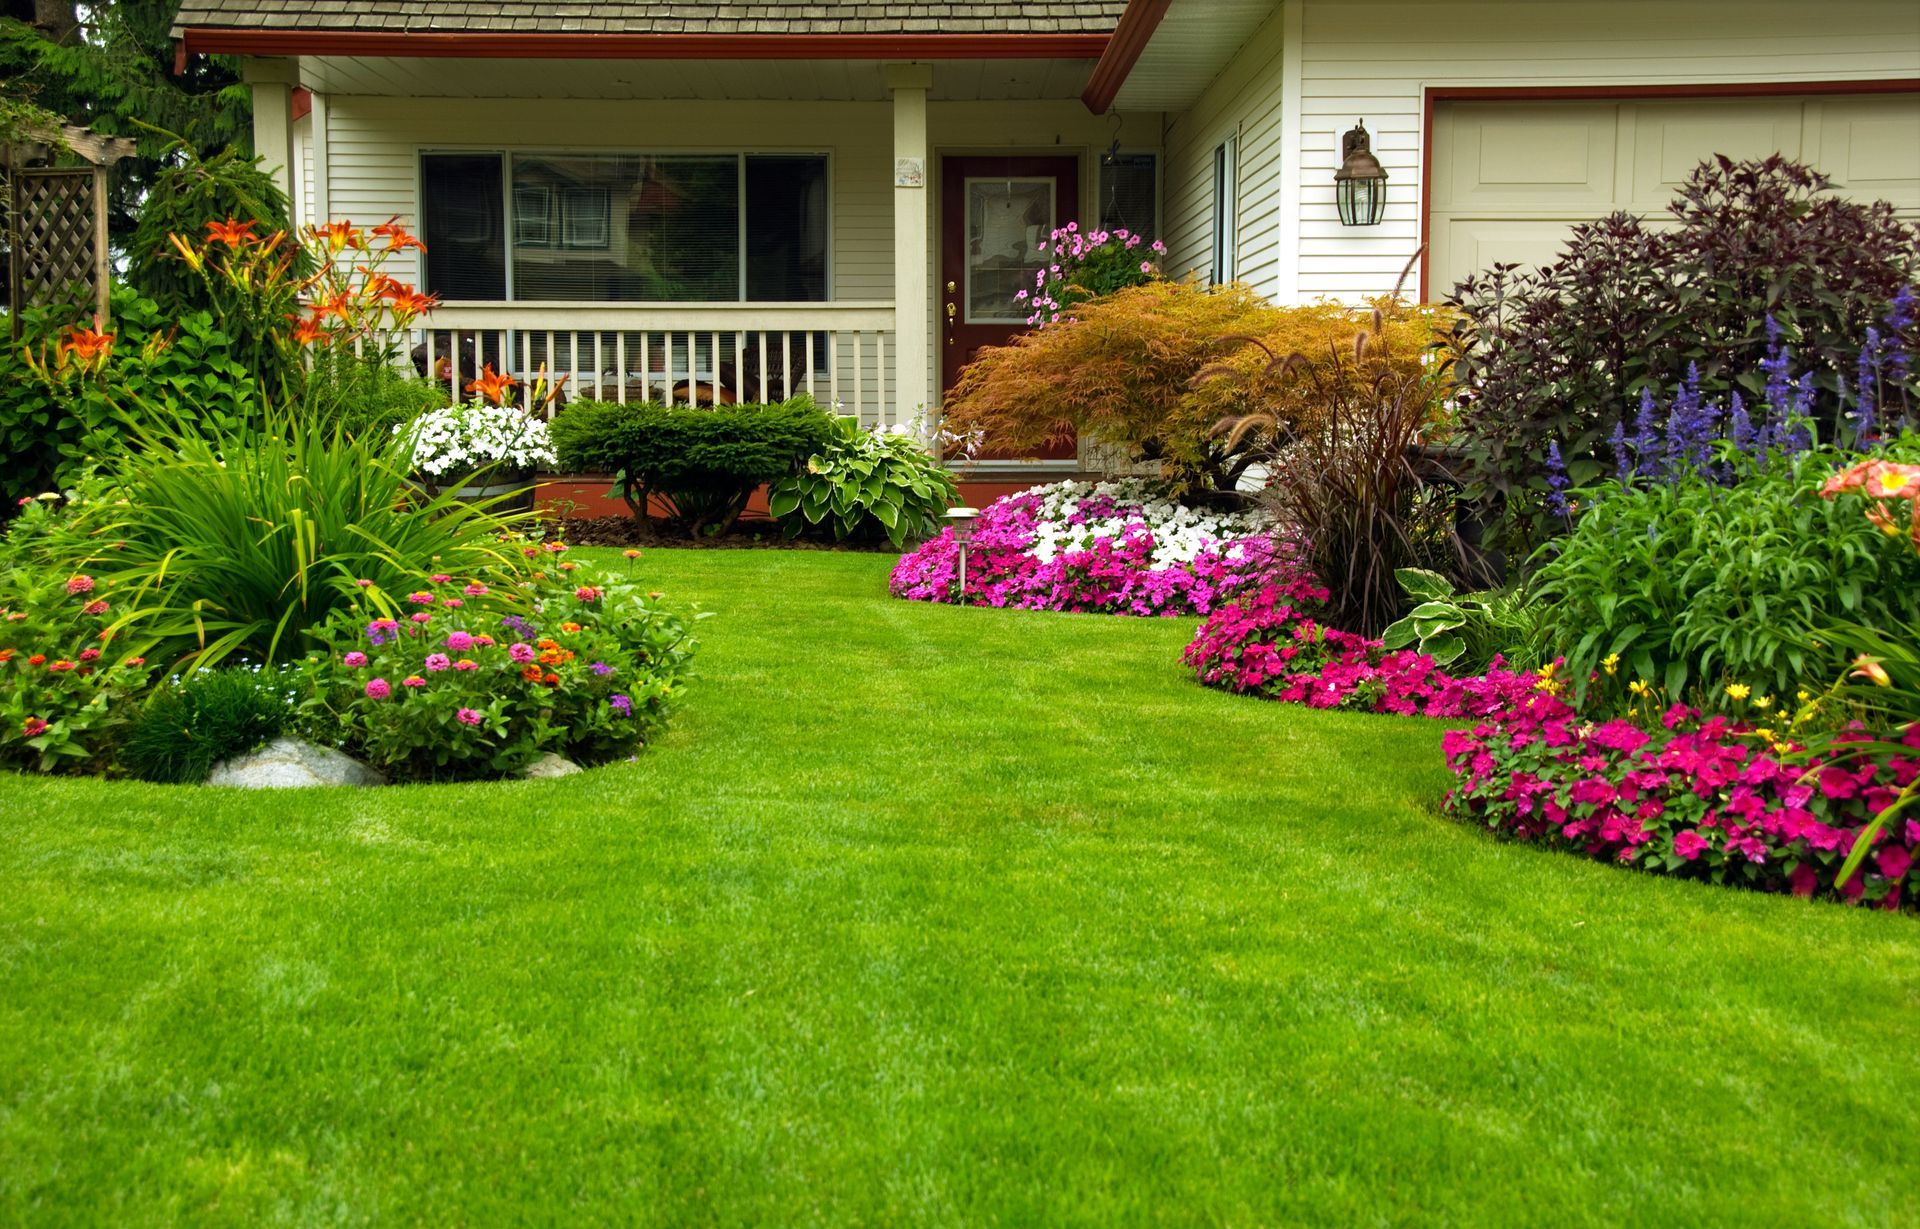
{"type": "Point", "coordinates": [1564, 353]}
{"type": "Point", "coordinates": [58, 417]}
{"type": "Point", "coordinates": [190, 724]}
{"type": "Point", "coordinates": [1691, 582]}
{"type": "Point", "coordinates": [702, 464]}
{"type": "Point", "coordinates": [864, 486]}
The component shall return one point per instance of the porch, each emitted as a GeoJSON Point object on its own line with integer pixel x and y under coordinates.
{"type": "Point", "coordinates": [706, 232]}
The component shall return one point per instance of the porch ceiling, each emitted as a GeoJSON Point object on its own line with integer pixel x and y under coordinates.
{"type": "Point", "coordinates": [1194, 41]}
{"type": "Point", "coordinates": [770, 80]}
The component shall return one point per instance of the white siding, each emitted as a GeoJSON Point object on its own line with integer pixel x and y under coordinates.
{"type": "Point", "coordinates": [1373, 60]}
{"type": "Point", "coordinates": [1244, 98]}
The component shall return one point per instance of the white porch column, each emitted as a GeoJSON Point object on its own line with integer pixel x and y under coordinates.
{"type": "Point", "coordinates": [272, 83]}
{"type": "Point", "coordinates": [912, 296]}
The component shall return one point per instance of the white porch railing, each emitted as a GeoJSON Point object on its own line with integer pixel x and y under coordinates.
{"type": "Point", "coordinates": [691, 354]}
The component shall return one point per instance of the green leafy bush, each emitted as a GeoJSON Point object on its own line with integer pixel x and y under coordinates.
{"type": "Point", "coordinates": [365, 395]}
{"type": "Point", "coordinates": [1563, 354]}
{"type": "Point", "coordinates": [865, 485]}
{"type": "Point", "coordinates": [702, 464]}
{"type": "Point", "coordinates": [1691, 582]}
{"type": "Point", "coordinates": [60, 413]}
{"type": "Point", "coordinates": [1464, 632]}
{"type": "Point", "coordinates": [224, 543]}
{"type": "Point", "coordinates": [190, 724]}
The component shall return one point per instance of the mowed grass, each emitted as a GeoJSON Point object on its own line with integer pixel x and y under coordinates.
{"type": "Point", "coordinates": [923, 916]}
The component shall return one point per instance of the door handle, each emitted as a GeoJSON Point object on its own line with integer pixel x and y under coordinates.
{"type": "Point", "coordinates": [952, 311]}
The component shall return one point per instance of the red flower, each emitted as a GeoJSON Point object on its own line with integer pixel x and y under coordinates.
{"type": "Point", "coordinates": [80, 584]}
{"type": "Point", "coordinates": [33, 727]}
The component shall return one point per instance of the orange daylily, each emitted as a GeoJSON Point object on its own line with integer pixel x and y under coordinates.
{"type": "Point", "coordinates": [495, 388]}
{"type": "Point", "coordinates": [308, 331]}
{"type": "Point", "coordinates": [339, 235]}
{"type": "Point", "coordinates": [232, 233]}
{"type": "Point", "coordinates": [87, 345]}
{"type": "Point", "coordinates": [1876, 480]}
{"type": "Point", "coordinates": [397, 236]}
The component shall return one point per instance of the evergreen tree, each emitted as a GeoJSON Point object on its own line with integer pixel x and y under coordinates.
{"type": "Point", "coordinates": [109, 66]}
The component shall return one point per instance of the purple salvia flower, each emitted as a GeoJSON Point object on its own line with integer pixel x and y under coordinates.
{"type": "Point", "coordinates": [1556, 481]}
{"type": "Point", "coordinates": [1741, 426]}
{"type": "Point", "coordinates": [1622, 462]}
{"type": "Point", "coordinates": [1646, 437]}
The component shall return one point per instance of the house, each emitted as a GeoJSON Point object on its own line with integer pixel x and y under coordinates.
{"type": "Point", "coordinates": [723, 199]}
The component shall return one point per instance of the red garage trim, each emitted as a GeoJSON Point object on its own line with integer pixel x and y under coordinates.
{"type": "Point", "coordinates": [1591, 93]}
{"type": "Point", "coordinates": [1130, 38]}
{"type": "Point", "coordinates": [645, 46]}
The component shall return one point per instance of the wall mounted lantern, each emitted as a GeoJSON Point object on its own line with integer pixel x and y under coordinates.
{"type": "Point", "coordinates": [961, 522]}
{"type": "Point", "coordinates": [1360, 185]}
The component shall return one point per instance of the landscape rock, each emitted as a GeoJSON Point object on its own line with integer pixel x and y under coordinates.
{"type": "Point", "coordinates": [550, 765]}
{"type": "Point", "coordinates": [292, 763]}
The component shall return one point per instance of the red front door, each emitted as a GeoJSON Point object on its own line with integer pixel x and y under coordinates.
{"type": "Point", "coordinates": [995, 212]}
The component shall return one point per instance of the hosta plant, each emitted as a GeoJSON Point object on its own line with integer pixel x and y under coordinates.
{"type": "Point", "coordinates": [1465, 630]}
{"type": "Point", "coordinates": [866, 485]}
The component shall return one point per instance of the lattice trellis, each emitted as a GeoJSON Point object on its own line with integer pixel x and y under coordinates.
{"type": "Point", "coordinates": [53, 230]}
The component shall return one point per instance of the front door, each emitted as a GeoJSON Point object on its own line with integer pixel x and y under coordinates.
{"type": "Point", "coordinates": [995, 213]}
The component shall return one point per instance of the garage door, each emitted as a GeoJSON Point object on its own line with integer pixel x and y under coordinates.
{"type": "Point", "coordinates": [1510, 177]}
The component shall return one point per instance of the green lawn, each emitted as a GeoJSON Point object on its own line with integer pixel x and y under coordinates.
{"type": "Point", "coordinates": [924, 916]}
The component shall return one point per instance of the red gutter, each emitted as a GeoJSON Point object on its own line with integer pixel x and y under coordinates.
{"type": "Point", "coordinates": [1130, 38]}
{"type": "Point", "coordinates": [220, 41]}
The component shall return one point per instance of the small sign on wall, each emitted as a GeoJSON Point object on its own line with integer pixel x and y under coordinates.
{"type": "Point", "coordinates": [909, 172]}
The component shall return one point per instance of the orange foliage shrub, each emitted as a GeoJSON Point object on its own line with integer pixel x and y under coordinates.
{"type": "Point", "coordinates": [1121, 372]}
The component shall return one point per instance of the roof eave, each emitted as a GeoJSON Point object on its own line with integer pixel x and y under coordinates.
{"type": "Point", "coordinates": [1130, 38]}
{"type": "Point", "coordinates": [195, 40]}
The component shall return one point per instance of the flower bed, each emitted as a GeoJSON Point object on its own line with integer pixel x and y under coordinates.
{"type": "Point", "coordinates": [1701, 797]}
{"type": "Point", "coordinates": [1711, 799]}
{"type": "Point", "coordinates": [1110, 547]}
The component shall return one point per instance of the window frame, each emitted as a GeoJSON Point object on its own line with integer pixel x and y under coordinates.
{"type": "Point", "coordinates": [507, 153]}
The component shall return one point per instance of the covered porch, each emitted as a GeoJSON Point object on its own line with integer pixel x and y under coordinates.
{"type": "Point", "coordinates": [701, 231]}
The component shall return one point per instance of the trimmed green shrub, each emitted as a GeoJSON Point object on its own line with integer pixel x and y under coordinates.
{"type": "Point", "coordinates": [702, 464]}
{"type": "Point", "coordinates": [60, 413]}
{"type": "Point", "coordinates": [865, 485]}
{"type": "Point", "coordinates": [190, 724]}
{"type": "Point", "coordinates": [365, 395]}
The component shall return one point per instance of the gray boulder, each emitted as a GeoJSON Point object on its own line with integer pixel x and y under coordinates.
{"type": "Point", "coordinates": [291, 763]}
{"type": "Point", "coordinates": [550, 765]}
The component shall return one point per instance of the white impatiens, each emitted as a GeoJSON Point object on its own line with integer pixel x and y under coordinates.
{"type": "Point", "coordinates": [463, 438]}
{"type": "Point", "coordinates": [1074, 515]}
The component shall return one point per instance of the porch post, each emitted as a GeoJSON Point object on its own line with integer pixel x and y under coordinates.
{"type": "Point", "coordinates": [912, 299]}
{"type": "Point", "coordinates": [272, 83]}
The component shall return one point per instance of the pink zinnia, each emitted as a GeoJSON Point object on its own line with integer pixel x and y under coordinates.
{"type": "Point", "coordinates": [587, 593]}
{"type": "Point", "coordinates": [420, 599]}
{"type": "Point", "coordinates": [413, 680]}
{"type": "Point", "coordinates": [469, 716]}
{"type": "Point", "coordinates": [89, 654]}
{"type": "Point", "coordinates": [466, 663]}
{"type": "Point", "coordinates": [364, 584]}
{"type": "Point", "coordinates": [459, 641]}
{"type": "Point", "coordinates": [355, 660]}
{"type": "Point", "coordinates": [475, 589]}
{"type": "Point", "coordinates": [439, 578]}
{"type": "Point", "coordinates": [33, 727]}
{"type": "Point", "coordinates": [378, 689]}
{"type": "Point", "coordinates": [95, 608]}
{"type": "Point", "coordinates": [452, 602]}
{"type": "Point", "coordinates": [438, 661]}
{"type": "Point", "coordinates": [423, 617]}
{"type": "Point", "coordinates": [80, 584]}
{"type": "Point", "coordinates": [522, 653]}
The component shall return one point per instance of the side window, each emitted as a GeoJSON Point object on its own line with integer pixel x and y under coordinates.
{"type": "Point", "coordinates": [1226, 193]}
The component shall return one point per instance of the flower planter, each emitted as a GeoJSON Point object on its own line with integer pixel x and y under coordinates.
{"type": "Point", "coordinates": [517, 486]}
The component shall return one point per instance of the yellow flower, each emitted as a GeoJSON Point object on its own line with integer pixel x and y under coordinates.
{"type": "Point", "coordinates": [1611, 663]}
{"type": "Point", "coordinates": [1765, 733]}
{"type": "Point", "coordinates": [1803, 695]}
{"type": "Point", "coordinates": [1639, 687]}
{"type": "Point", "coordinates": [1739, 691]}
{"type": "Point", "coordinates": [1763, 702]}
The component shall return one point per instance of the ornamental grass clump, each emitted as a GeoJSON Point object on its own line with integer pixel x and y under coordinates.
{"type": "Point", "coordinates": [1113, 547]}
{"type": "Point", "coordinates": [192, 722]}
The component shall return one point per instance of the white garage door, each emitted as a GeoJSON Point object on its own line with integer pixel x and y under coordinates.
{"type": "Point", "coordinates": [1510, 177]}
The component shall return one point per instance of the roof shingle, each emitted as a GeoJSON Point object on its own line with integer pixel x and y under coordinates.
{"type": "Point", "coordinates": [672, 17]}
